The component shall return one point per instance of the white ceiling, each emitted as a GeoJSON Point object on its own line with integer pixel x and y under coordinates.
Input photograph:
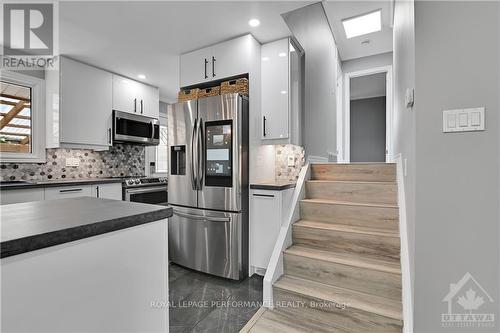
{"type": "Point", "coordinates": [368, 86]}
{"type": "Point", "coordinates": [131, 38]}
{"type": "Point", "coordinates": [380, 42]}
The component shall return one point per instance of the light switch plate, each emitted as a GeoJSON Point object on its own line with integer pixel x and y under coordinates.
{"type": "Point", "coordinates": [463, 120]}
{"type": "Point", "coordinates": [291, 160]}
{"type": "Point", "coordinates": [72, 162]}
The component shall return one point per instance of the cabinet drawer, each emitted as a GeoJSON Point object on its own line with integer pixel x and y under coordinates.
{"type": "Point", "coordinates": [21, 195]}
{"type": "Point", "coordinates": [67, 192]}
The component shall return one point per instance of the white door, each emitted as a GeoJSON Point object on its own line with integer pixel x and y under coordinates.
{"type": "Point", "coordinates": [265, 224]}
{"type": "Point", "coordinates": [196, 67]}
{"type": "Point", "coordinates": [231, 58]}
{"type": "Point", "coordinates": [86, 105]}
{"type": "Point", "coordinates": [150, 101]}
{"type": "Point", "coordinates": [275, 89]}
{"type": "Point", "coordinates": [107, 191]}
{"type": "Point", "coordinates": [126, 94]}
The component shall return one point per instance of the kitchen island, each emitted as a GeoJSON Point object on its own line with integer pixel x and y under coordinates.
{"type": "Point", "coordinates": [84, 264]}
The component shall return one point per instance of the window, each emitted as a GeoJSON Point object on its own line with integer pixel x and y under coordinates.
{"type": "Point", "coordinates": [156, 156]}
{"type": "Point", "coordinates": [161, 163]}
{"type": "Point", "coordinates": [22, 118]}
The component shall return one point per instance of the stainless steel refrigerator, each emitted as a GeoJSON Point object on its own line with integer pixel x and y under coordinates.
{"type": "Point", "coordinates": [208, 185]}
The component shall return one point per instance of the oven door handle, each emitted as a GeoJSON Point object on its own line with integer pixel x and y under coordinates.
{"type": "Point", "coordinates": [145, 190]}
{"type": "Point", "coordinates": [202, 218]}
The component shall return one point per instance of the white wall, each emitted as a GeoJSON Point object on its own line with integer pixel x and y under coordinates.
{"type": "Point", "coordinates": [457, 63]}
{"type": "Point", "coordinates": [359, 64]}
{"type": "Point", "coordinates": [310, 26]}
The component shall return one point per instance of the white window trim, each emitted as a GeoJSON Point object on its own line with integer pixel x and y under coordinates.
{"type": "Point", "coordinates": [151, 154]}
{"type": "Point", "coordinates": [37, 119]}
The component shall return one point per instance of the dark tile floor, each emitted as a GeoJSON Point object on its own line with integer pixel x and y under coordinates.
{"type": "Point", "coordinates": [205, 303]}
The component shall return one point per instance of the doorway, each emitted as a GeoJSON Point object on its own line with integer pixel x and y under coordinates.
{"type": "Point", "coordinates": [367, 114]}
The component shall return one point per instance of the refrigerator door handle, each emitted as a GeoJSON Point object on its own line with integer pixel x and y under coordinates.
{"type": "Point", "coordinates": [194, 153]}
{"type": "Point", "coordinates": [202, 218]}
{"type": "Point", "coordinates": [201, 151]}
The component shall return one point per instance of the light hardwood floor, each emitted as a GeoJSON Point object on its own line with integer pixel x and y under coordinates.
{"type": "Point", "coordinates": [343, 272]}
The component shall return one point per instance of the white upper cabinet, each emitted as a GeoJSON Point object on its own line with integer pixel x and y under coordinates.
{"type": "Point", "coordinates": [135, 97]}
{"type": "Point", "coordinates": [281, 68]}
{"type": "Point", "coordinates": [85, 105]}
{"type": "Point", "coordinates": [219, 61]}
{"type": "Point", "coordinates": [195, 67]}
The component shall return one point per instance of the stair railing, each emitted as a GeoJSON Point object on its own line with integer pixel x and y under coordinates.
{"type": "Point", "coordinates": [275, 268]}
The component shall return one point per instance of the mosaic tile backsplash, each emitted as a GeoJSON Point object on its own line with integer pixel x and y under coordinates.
{"type": "Point", "coordinates": [118, 161]}
{"type": "Point", "coordinates": [283, 171]}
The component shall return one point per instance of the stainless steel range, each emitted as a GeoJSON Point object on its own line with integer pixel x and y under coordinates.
{"type": "Point", "coordinates": [146, 190]}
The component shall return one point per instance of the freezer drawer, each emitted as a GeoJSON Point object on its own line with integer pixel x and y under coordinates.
{"type": "Point", "coordinates": [209, 241]}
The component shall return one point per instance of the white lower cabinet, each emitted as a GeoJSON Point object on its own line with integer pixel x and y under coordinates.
{"type": "Point", "coordinates": [21, 195]}
{"type": "Point", "coordinates": [62, 192]}
{"type": "Point", "coordinates": [268, 209]}
{"type": "Point", "coordinates": [107, 191]}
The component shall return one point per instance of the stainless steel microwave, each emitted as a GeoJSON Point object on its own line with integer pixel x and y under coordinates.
{"type": "Point", "coordinates": [135, 129]}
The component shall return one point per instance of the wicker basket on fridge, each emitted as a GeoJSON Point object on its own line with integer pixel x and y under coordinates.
{"type": "Point", "coordinates": [207, 92]}
{"type": "Point", "coordinates": [234, 86]}
{"type": "Point", "coordinates": [188, 94]}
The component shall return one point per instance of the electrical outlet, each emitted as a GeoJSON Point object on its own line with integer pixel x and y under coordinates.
{"type": "Point", "coordinates": [291, 160]}
{"type": "Point", "coordinates": [72, 162]}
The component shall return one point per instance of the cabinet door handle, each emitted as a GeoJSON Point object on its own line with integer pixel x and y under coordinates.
{"type": "Point", "coordinates": [71, 190]}
{"type": "Point", "coordinates": [213, 66]}
{"type": "Point", "coordinates": [264, 125]}
{"type": "Point", "coordinates": [206, 63]}
{"type": "Point", "coordinates": [263, 195]}
{"type": "Point", "coordinates": [135, 105]}
{"type": "Point", "coordinates": [142, 106]}
{"type": "Point", "coordinates": [97, 191]}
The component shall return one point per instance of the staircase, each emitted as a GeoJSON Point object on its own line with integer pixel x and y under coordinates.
{"type": "Point", "coordinates": [342, 272]}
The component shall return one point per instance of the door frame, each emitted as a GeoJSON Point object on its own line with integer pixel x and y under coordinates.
{"type": "Point", "coordinates": [344, 127]}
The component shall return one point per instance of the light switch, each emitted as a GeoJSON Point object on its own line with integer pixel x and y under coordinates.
{"type": "Point", "coordinates": [452, 121]}
{"type": "Point", "coordinates": [463, 120]}
{"type": "Point", "coordinates": [72, 162]}
{"type": "Point", "coordinates": [475, 118]}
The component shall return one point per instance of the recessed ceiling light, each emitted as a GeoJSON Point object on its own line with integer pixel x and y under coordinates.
{"type": "Point", "coordinates": [363, 24]}
{"type": "Point", "coordinates": [282, 54]}
{"type": "Point", "coordinates": [265, 58]}
{"type": "Point", "coordinates": [141, 76]}
{"type": "Point", "coordinates": [283, 92]}
{"type": "Point", "coordinates": [254, 23]}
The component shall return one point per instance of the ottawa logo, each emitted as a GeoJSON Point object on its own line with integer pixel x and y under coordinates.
{"type": "Point", "coordinates": [469, 305]}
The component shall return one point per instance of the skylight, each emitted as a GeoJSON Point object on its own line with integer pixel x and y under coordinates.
{"type": "Point", "coordinates": [363, 24]}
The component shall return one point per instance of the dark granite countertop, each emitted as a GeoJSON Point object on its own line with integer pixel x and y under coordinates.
{"type": "Point", "coordinates": [57, 182]}
{"type": "Point", "coordinates": [35, 225]}
{"type": "Point", "coordinates": [273, 185]}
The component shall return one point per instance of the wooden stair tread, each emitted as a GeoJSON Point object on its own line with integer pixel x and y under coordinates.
{"type": "Point", "coordinates": [354, 299]}
{"type": "Point", "coordinates": [347, 228]}
{"type": "Point", "coordinates": [271, 321]}
{"type": "Point", "coordinates": [347, 203]}
{"type": "Point", "coordinates": [351, 182]}
{"type": "Point", "coordinates": [345, 259]}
